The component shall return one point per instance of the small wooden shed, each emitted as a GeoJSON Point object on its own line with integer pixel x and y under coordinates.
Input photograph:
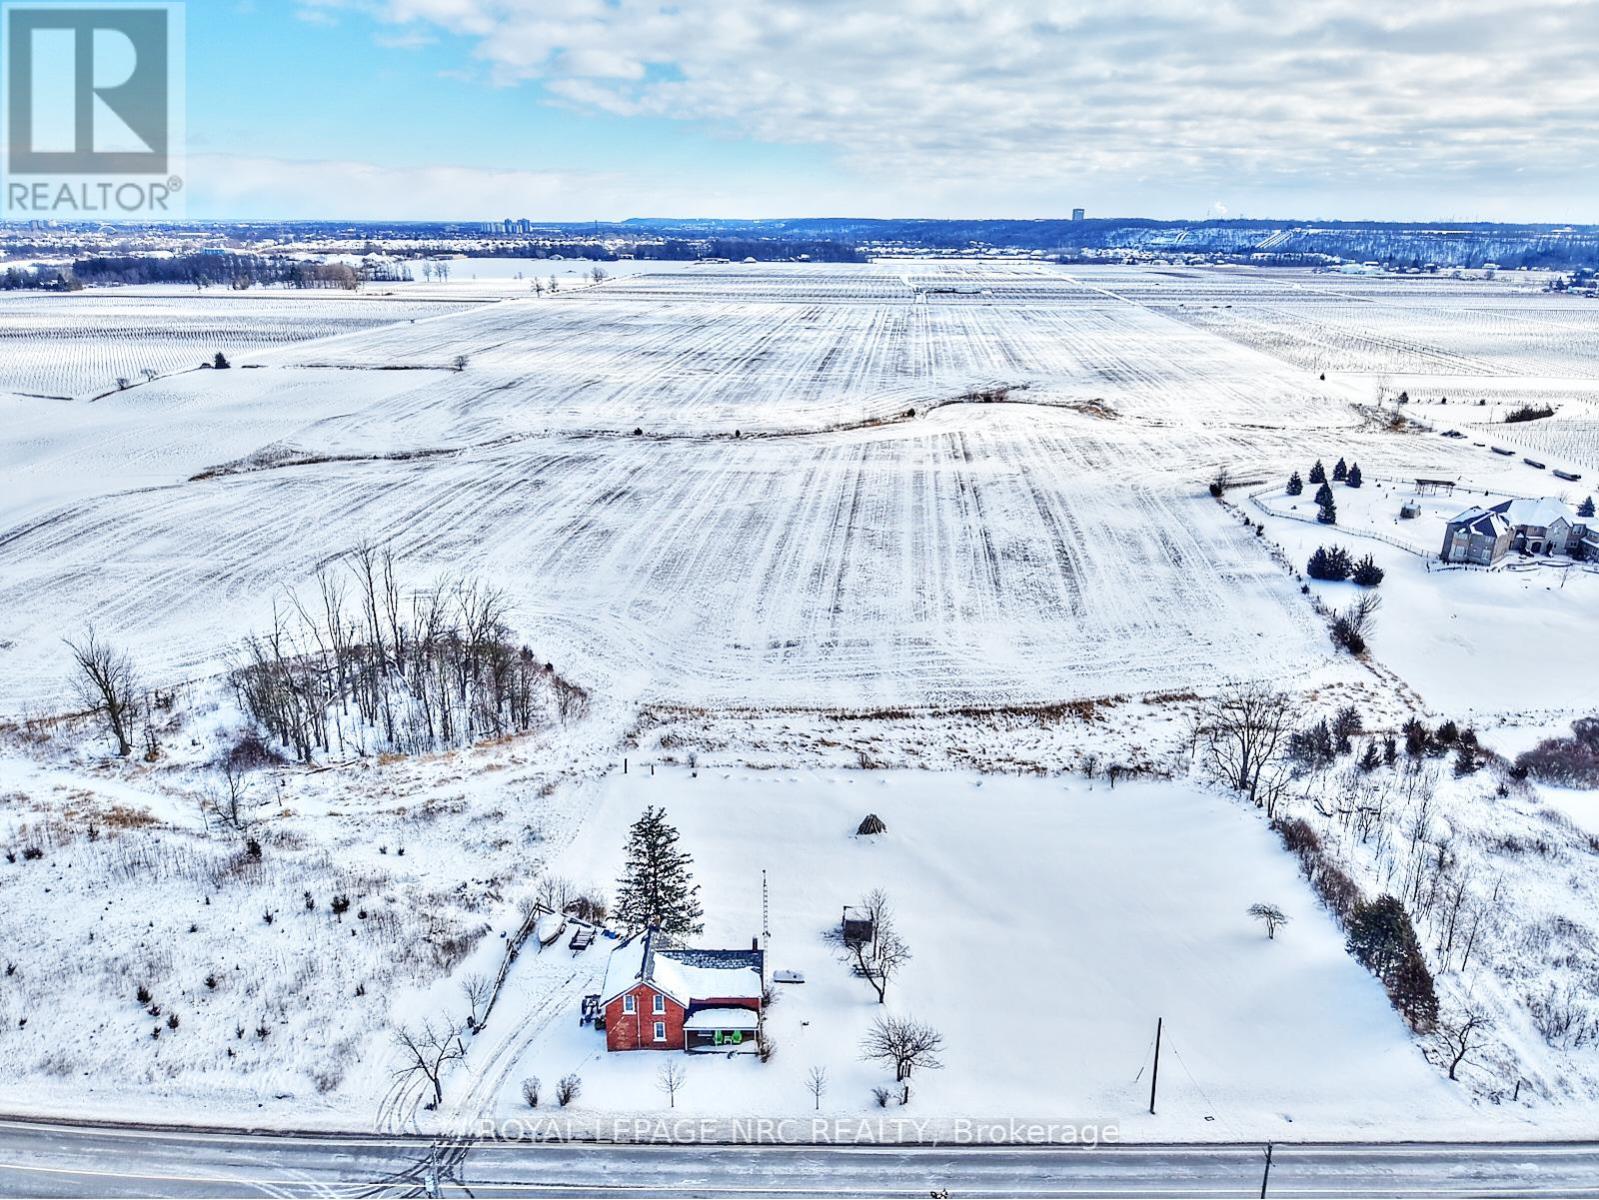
{"type": "Point", "coordinates": [857, 927]}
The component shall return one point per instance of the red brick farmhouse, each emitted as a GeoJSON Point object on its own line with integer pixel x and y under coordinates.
{"type": "Point", "coordinates": [661, 997]}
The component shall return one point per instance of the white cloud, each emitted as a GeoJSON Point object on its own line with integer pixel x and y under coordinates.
{"type": "Point", "coordinates": [1253, 96]}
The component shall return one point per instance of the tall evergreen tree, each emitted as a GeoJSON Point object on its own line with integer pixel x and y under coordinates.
{"type": "Point", "coordinates": [1324, 493]}
{"type": "Point", "coordinates": [1382, 938]}
{"type": "Point", "coordinates": [1380, 935]}
{"type": "Point", "coordinates": [1340, 471]}
{"type": "Point", "coordinates": [1353, 478]}
{"type": "Point", "coordinates": [1297, 485]}
{"type": "Point", "coordinates": [1318, 473]}
{"type": "Point", "coordinates": [657, 887]}
{"type": "Point", "coordinates": [1327, 514]}
{"type": "Point", "coordinates": [1585, 509]}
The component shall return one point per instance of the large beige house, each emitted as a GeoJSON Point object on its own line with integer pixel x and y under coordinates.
{"type": "Point", "coordinates": [1545, 526]}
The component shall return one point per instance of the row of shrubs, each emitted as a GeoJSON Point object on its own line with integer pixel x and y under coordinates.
{"type": "Point", "coordinates": [1321, 744]}
{"type": "Point", "coordinates": [1565, 761]}
{"type": "Point", "coordinates": [1348, 475]}
{"type": "Point", "coordinates": [1379, 932]}
{"type": "Point", "coordinates": [1334, 563]}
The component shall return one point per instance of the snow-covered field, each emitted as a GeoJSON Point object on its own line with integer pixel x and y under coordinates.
{"type": "Point", "coordinates": [89, 343]}
{"type": "Point", "coordinates": [851, 555]}
{"type": "Point", "coordinates": [813, 519]}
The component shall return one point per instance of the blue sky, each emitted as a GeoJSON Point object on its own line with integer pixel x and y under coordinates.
{"type": "Point", "coordinates": [577, 109]}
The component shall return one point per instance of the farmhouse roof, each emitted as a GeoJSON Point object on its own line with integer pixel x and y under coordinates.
{"type": "Point", "coordinates": [1487, 522]}
{"type": "Point", "coordinates": [1540, 513]}
{"type": "Point", "coordinates": [685, 974]}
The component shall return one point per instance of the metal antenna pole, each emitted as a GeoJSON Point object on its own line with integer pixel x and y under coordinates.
{"type": "Point", "coordinates": [1154, 1076]}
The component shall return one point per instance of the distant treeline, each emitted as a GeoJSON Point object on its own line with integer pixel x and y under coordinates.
{"type": "Point", "coordinates": [216, 270]}
{"type": "Point", "coordinates": [1266, 242]}
{"type": "Point", "coordinates": [48, 279]}
{"type": "Point", "coordinates": [236, 271]}
{"type": "Point", "coordinates": [683, 250]}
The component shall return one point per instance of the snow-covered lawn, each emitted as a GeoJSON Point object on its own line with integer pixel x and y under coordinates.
{"type": "Point", "coordinates": [1052, 921]}
{"type": "Point", "coordinates": [1489, 646]}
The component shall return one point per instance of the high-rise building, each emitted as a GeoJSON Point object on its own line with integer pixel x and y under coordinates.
{"type": "Point", "coordinates": [1077, 214]}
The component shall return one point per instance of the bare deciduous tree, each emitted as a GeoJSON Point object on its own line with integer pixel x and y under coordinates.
{"type": "Point", "coordinates": [1272, 916]}
{"type": "Point", "coordinates": [879, 958]}
{"type": "Point", "coordinates": [1240, 735]}
{"type": "Point", "coordinates": [104, 684]}
{"type": "Point", "coordinates": [1460, 1033]}
{"type": "Point", "coordinates": [428, 1051]}
{"type": "Point", "coordinates": [816, 1084]}
{"type": "Point", "coordinates": [233, 801]}
{"type": "Point", "coordinates": [670, 1079]}
{"type": "Point", "coordinates": [905, 1044]}
{"type": "Point", "coordinates": [530, 1091]}
{"type": "Point", "coordinates": [477, 988]}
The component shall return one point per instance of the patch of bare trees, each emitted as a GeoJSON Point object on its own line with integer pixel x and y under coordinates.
{"type": "Point", "coordinates": [423, 671]}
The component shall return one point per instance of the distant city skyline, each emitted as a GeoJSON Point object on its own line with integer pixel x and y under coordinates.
{"type": "Point", "coordinates": [568, 110]}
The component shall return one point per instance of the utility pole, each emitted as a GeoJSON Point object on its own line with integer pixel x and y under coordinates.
{"type": "Point", "coordinates": [766, 913]}
{"type": "Point", "coordinates": [1154, 1076]}
{"type": "Point", "coordinates": [1266, 1178]}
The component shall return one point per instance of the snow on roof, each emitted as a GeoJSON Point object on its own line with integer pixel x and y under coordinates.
{"type": "Point", "coordinates": [685, 975]}
{"type": "Point", "coordinates": [624, 968]}
{"type": "Point", "coordinates": [1540, 513]}
{"type": "Point", "coordinates": [1488, 522]}
{"type": "Point", "coordinates": [723, 1018]}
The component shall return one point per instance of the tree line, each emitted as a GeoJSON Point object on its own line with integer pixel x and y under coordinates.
{"type": "Point", "coordinates": [364, 662]}
{"type": "Point", "coordinates": [237, 271]}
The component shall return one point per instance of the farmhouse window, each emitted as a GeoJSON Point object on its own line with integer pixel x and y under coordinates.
{"type": "Point", "coordinates": [660, 1031]}
{"type": "Point", "coordinates": [627, 1004]}
{"type": "Point", "coordinates": [660, 1004]}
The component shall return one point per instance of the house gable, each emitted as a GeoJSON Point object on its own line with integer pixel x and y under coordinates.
{"type": "Point", "coordinates": [653, 1012]}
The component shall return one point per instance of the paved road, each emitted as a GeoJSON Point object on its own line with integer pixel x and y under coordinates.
{"type": "Point", "coordinates": [39, 1159]}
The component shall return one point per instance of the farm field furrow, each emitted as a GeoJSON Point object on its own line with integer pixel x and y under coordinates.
{"type": "Point", "coordinates": [625, 559]}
